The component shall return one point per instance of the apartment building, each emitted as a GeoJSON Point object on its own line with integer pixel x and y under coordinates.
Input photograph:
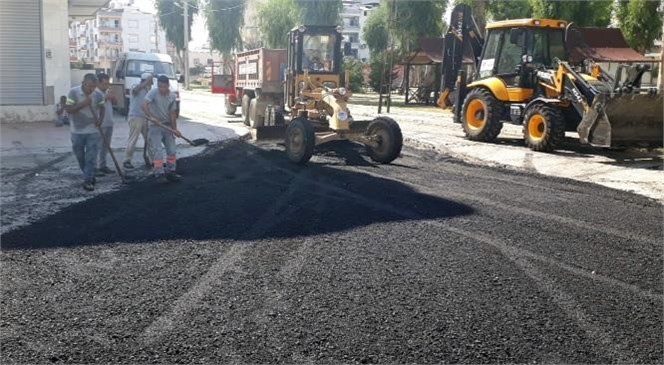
{"type": "Point", "coordinates": [354, 16]}
{"type": "Point", "coordinates": [119, 28]}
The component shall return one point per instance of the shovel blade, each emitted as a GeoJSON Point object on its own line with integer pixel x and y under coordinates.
{"type": "Point", "coordinates": [200, 142]}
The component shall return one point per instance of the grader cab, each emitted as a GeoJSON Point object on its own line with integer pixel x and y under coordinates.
{"type": "Point", "coordinates": [299, 94]}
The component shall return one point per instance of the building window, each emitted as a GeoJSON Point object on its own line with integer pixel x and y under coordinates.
{"type": "Point", "coordinates": [354, 22]}
{"type": "Point", "coordinates": [133, 38]}
{"type": "Point", "coordinates": [133, 24]}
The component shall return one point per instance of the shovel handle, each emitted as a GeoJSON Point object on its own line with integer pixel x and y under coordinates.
{"type": "Point", "coordinates": [171, 130]}
{"type": "Point", "coordinates": [107, 143]}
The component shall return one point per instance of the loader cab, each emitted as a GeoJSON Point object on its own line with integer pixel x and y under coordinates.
{"type": "Point", "coordinates": [514, 49]}
{"type": "Point", "coordinates": [315, 50]}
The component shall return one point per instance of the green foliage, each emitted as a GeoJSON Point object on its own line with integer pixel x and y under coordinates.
{"type": "Point", "coordinates": [416, 19]}
{"type": "Point", "coordinates": [224, 19]}
{"type": "Point", "coordinates": [509, 9]}
{"type": "Point", "coordinates": [377, 68]}
{"type": "Point", "coordinates": [640, 22]}
{"type": "Point", "coordinates": [317, 12]}
{"type": "Point", "coordinates": [375, 29]}
{"type": "Point", "coordinates": [275, 19]}
{"type": "Point", "coordinates": [590, 13]}
{"type": "Point", "coordinates": [355, 68]}
{"type": "Point", "coordinates": [171, 16]}
{"type": "Point", "coordinates": [197, 70]}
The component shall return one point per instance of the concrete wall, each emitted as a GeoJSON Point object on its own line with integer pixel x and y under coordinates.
{"type": "Point", "coordinates": [55, 27]}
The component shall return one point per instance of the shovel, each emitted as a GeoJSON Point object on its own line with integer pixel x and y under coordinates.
{"type": "Point", "coordinates": [108, 146]}
{"type": "Point", "coordinates": [197, 142]}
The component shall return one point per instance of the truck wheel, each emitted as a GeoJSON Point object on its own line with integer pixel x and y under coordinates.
{"type": "Point", "coordinates": [544, 127]}
{"type": "Point", "coordinates": [480, 116]}
{"type": "Point", "coordinates": [258, 121]}
{"type": "Point", "coordinates": [300, 141]}
{"type": "Point", "coordinates": [389, 138]}
{"type": "Point", "coordinates": [230, 108]}
{"type": "Point", "coordinates": [246, 99]}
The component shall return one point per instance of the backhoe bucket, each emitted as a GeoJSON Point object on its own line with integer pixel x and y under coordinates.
{"type": "Point", "coordinates": [627, 120]}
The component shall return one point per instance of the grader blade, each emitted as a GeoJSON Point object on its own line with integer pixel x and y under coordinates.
{"type": "Point", "coordinates": [627, 120]}
{"type": "Point", "coordinates": [269, 133]}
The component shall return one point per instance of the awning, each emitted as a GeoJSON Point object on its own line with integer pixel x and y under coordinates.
{"type": "Point", "coordinates": [85, 9]}
{"type": "Point", "coordinates": [601, 45]}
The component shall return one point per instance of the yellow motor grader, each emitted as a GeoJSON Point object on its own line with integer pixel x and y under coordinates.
{"type": "Point", "coordinates": [297, 93]}
{"type": "Point", "coordinates": [521, 78]}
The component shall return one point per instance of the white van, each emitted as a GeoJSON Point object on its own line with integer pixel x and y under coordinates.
{"type": "Point", "coordinates": [131, 65]}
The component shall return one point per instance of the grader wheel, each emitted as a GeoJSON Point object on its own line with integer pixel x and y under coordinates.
{"type": "Point", "coordinates": [544, 127]}
{"type": "Point", "coordinates": [300, 141]}
{"type": "Point", "coordinates": [388, 137]}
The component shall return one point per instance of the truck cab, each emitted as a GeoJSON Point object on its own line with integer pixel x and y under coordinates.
{"type": "Point", "coordinates": [130, 66]}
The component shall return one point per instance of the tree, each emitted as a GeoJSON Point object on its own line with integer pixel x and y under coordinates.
{"type": "Point", "coordinates": [415, 19]}
{"type": "Point", "coordinates": [317, 12]}
{"type": "Point", "coordinates": [509, 9]}
{"type": "Point", "coordinates": [171, 15]}
{"type": "Point", "coordinates": [640, 22]}
{"type": "Point", "coordinates": [355, 69]}
{"type": "Point", "coordinates": [275, 19]}
{"type": "Point", "coordinates": [591, 13]}
{"type": "Point", "coordinates": [225, 19]}
{"type": "Point", "coordinates": [375, 29]}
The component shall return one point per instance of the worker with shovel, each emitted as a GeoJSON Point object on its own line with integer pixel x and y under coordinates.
{"type": "Point", "coordinates": [83, 102]}
{"type": "Point", "coordinates": [161, 110]}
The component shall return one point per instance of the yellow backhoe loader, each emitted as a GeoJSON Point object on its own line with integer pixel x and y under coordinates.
{"type": "Point", "coordinates": [522, 77]}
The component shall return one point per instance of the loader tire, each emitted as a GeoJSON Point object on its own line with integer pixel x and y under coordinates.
{"type": "Point", "coordinates": [390, 140]}
{"type": "Point", "coordinates": [300, 141]}
{"type": "Point", "coordinates": [480, 116]}
{"type": "Point", "coordinates": [543, 127]}
{"type": "Point", "coordinates": [230, 108]}
{"type": "Point", "coordinates": [246, 100]}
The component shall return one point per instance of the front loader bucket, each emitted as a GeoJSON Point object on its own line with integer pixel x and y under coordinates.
{"type": "Point", "coordinates": [624, 120]}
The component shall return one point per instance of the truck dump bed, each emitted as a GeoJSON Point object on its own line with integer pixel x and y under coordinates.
{"type": "Point", "coordinates": [261, 68]}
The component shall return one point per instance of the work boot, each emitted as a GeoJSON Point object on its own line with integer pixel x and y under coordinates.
{"type": "Point", "coordinates": [106, 170]}
{"type": "Point", "coordinates": [173, 177]}
{"type": "Point", "coordinates": [89, 186]}
{"type": "Point", "coordinates": [128, 165]}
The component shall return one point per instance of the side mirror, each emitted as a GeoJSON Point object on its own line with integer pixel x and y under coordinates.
{"type": "Point", "coordinates": [347, 49]}
{"type": "Point", "coordinates": [516, 36]}
{"type": "Point", "coordinates": [118, 74]}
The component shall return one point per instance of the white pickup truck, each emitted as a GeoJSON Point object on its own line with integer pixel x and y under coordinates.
{"type": "Point", "coordinates": [131, 65]}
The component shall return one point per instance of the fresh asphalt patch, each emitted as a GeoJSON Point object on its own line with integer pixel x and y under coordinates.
{"type": "Point", "coordinates": [251, 259]}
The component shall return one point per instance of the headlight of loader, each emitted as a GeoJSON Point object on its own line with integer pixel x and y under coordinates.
{"type": "Point", "coordinates": [341, 91]}
{"type": "Point", "coordinates": [342, 115]}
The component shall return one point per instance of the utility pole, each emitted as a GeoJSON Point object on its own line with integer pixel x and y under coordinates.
{"type": "Point", "coordinates": [186, 44]}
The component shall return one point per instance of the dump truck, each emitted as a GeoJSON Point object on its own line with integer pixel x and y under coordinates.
{"type": "Point", "coordinates": [522, 77]}
{"type": "Point", "coordinates": [300, 95]}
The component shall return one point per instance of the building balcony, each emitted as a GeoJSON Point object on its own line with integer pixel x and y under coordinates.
{"type": "Point", "coordinates": [110, 43]}
{"type": "Point", "coordinates": [72, 43]}
{"type": "Point", "coordinates": [105, 28]}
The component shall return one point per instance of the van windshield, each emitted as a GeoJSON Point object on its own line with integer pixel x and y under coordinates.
{"type": "Point", "coordinates": [137, 67]}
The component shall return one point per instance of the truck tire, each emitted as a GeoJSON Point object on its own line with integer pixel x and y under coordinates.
{"type": "Point", "coordinates": [246, 99]}
{"type": "Point", "coordinates": [258, 120]}
{"type": "Point", "coordinates": [229, 108]}
{"type": "Point", "coordinates": [390, 140]}
{"type": "Point", "coordinates": [300, 141]}
{"type": "Point", "coordinates": [543, 127]}
{"type": "Point", "coordinates": [480, 116]}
